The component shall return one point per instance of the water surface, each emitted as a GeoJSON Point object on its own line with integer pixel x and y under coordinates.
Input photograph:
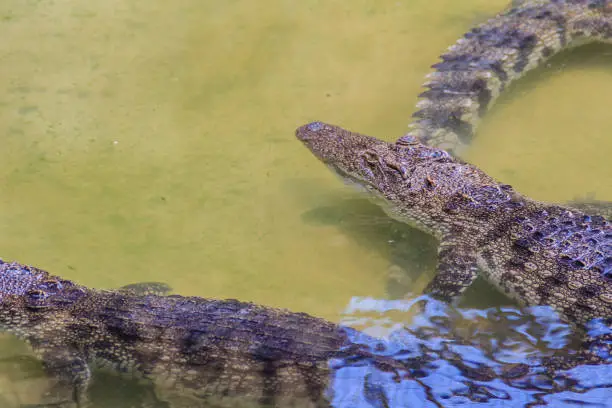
{"type": "Point", "coordinates": [152, 140]}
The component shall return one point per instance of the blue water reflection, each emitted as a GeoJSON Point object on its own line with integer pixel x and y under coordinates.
{"type": "Point", "coordinates": [449, 357]}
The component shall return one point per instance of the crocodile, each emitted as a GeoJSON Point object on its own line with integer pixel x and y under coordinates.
{"type": "Point", "coordinates": [197, 352]}
{"type": "Point", "coordinates": [538, 253]}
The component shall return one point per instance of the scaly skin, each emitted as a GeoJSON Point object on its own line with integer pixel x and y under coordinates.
{"type": "Point", "coordinates": [478, 67]}
{"type": "Point", "coordinates": [215, 353]}
{"type": "Point", "coordinates": [196, 351]}
{"type": "Point", "coordinates": [225, 353]}
{"type": "Point", "coordinates": [538, 253]}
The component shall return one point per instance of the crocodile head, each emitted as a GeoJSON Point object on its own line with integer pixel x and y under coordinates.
{"type": "Point", "coordinates": [15, 279]}
{"type": "Point", "coordinates": [25, 291]}
{"type": "Point", "coordinates": [352, 156]}
{"type": "Point", "coordinates": [365, 160]}
{"type": "Point", "coordinates": [412, 182]}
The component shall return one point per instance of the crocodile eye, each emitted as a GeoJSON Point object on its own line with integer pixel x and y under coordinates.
{"type": "Point", "coordinates": [315, 126]}
{"type": "Point", "coordinates": [407, 140]}
{"type": "Point", "coordinates": [51, 285]}
{"type": "Point", "coordinates": [36, 294]}
{"type": "Point", "coordinates": [370, 157]}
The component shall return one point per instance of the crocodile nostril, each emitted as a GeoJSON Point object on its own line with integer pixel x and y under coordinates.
{"type": "Point", "coordinates": [305, 132]}
{"type": "Point", "coordinates": [314, 126]}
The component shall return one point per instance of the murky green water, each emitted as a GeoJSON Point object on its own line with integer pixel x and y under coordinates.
{"type": "Point", "coordinates": [153, 140]}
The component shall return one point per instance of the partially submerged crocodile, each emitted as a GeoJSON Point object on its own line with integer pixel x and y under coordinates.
{"type": "Point", "coordinates": [225, 353]}
{"type": "Point", "coordinates": [196, 351]}
{"type": "Point", "coordinates": [539, 254]}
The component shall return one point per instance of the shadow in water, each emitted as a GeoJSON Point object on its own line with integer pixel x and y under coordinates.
{"type": "Point", "coordinates": [412, 253]}
{"type": "Point", "coordinates": [452, 356]}
{"type": "Point", "coordinates": [24, 381]}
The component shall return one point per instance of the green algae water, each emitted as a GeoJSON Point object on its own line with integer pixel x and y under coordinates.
{"type": "Point", "coordinates": [154, 141]}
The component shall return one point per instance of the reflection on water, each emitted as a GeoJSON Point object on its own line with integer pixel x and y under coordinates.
{"type": "Point", "coordinates": [153, 141]}
{"type": "Point", "coordinates": [469, 357]}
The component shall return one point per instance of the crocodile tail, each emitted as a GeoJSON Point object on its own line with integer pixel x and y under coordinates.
{"type": "Point", "coordinates": [478, 67]}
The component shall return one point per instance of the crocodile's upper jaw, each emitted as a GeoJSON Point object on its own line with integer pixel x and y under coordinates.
{"type": "Point", "coordinates": [363, 161]}
{"type": "Point", "coordinates": [344, 152]}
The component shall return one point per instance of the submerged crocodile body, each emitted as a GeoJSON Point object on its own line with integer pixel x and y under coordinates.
{"type": "Point", "coordinates": [201, 353]}
{"type": "Point", "coordinates": [197, 352]}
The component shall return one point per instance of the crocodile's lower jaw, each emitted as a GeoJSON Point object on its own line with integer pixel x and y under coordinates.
{"type": "Point", "coordinates": [376, 198]}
